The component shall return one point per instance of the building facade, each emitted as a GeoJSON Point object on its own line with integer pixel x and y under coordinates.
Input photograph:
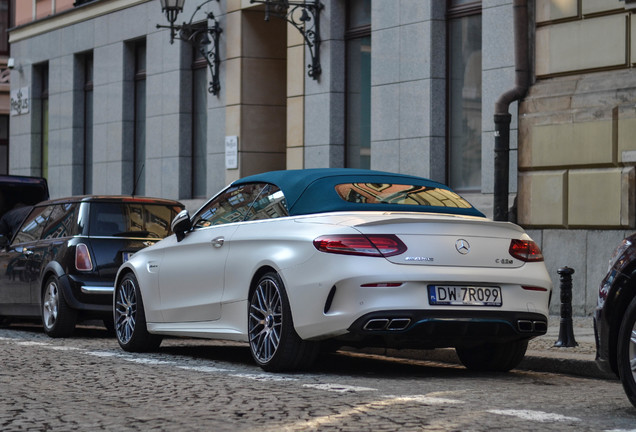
{"type": "Point", "coordinates": [6, 22]}
{"type": "Point", "coordinates": [407, 86]}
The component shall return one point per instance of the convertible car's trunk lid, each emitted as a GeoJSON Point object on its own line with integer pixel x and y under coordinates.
{"type": "Point", "coordinates": [448, 241]}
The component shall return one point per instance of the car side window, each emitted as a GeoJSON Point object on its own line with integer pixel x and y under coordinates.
{"type": "Point", "coordinates": [61, 222]}
{"type": "Point", "coordinates": [239, 203]}
{"type": "Point", "coordinates": [270, 204]}
{"type": "Point", "coordinates": [33, 225]}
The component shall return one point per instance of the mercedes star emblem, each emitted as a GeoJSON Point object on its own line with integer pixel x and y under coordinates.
{"type": "Point", "coordinates": [462, 246]}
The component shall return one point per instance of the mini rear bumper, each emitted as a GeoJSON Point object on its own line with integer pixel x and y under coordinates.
{"type": "Point", "coordinates": [89, 296]}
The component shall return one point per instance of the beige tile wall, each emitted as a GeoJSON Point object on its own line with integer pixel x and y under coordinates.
{"type": "Point", "coordinates": [583, 44]}
{"type": "Point", "coordinates": [577, 149]}
{"type": "Point", "coordinates": [591, 183]}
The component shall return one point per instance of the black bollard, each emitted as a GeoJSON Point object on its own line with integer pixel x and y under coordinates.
{"type": "Point", "coordinates": [566, 330]}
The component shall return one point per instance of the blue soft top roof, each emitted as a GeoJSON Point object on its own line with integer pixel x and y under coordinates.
{"type": "Point", "coordinates": [309, 191]}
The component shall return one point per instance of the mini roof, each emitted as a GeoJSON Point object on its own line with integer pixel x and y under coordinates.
{"type": "Point", "coordinates": [309, 191]}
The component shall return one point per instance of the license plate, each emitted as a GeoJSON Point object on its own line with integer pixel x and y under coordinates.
{"type": "Point", "coordinates": [126, 256]}
{"type": "Point", "coordinates": [464, 295]}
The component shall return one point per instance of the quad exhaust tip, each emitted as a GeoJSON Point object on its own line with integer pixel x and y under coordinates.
{"type": "Point", "coordinates": [391, 324]}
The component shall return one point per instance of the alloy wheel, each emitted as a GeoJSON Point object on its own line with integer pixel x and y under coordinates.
{"type": "Point", "coordinates": [125, 310]}
{"type": "Point", "coordinates": [266, 320]}
{"type": "Point", "coordinates": [50, 305]}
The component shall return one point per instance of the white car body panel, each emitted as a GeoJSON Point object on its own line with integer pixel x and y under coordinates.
{"type": "Point", "coordinates": [202, 290]}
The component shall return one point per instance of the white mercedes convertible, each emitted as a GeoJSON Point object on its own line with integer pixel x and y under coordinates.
{"type": "Point", "coordinates": [289, 261]}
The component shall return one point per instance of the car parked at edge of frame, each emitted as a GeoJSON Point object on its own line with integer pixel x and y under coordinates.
{"type": "Point", "coordinates": [615, 317]}
{"type": "Point", "coordinates": [288, 260]}
{"type": "Point", "coordinates": [17, 194]}
{"type": "Point", "coordinates": [60, 265]}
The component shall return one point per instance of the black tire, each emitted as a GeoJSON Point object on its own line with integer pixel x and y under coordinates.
{"type": "Point", "coordinates": [626, 352]}
{"type": "Point", "coordinates": [58, 317]}
{"type": "Point", "coordinates": [130, 318]}
{"type": "Point", "coordinates": [274, 343]}
{"type": "Point", "coordinates": [496, 357]}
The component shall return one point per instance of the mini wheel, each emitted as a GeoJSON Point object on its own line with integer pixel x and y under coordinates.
{"type": "Point", "coordinates": [58, 317]}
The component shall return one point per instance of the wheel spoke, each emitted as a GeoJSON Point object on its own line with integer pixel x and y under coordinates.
{"type": "Point", "coordinates": [265, 320]}
{"type": "Point", "coordinates": [125, 311]}
{"type": "Point", "coordinates": [50, 305]}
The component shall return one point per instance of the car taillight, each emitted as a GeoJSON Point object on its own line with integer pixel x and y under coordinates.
{"type": "Point", "coordinates": [525, 250]}
{"type": "Point", "coordinates": [83, 258]}
{"type": "Point", "coordinates": [533, 288]}
{"type": "Point", "coordinates": [377, 245]}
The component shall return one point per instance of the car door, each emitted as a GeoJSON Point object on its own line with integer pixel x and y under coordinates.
{"type": "Point", "coordinates": [192, 271]}
{"type": "Point", "coordinates": [21, 260]}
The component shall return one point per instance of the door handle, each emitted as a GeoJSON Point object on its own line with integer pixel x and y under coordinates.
{"type": "Point", "coordinates": [218, 242]}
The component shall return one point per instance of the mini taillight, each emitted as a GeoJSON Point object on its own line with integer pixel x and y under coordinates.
{"type": "Point", "coordinates": [83, 258]}
{"type": "Point", "coordinates": [525, 250]}
{"type": "Point", "coordinates": [377, 245]}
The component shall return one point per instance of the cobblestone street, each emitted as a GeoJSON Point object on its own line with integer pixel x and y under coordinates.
{"type": "Point", "coordinates": [88, 383]}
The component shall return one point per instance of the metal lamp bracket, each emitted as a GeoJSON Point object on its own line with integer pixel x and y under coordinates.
{"type": "Point", "coordinates": [203, 38]}
{"type": "Point", "coordinates": [308, 24]}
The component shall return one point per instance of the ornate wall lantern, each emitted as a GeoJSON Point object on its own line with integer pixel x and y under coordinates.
{"type": "Point", "coordinates": [204, 37]}
{"type": "Point", "coordinates": [307, 22]}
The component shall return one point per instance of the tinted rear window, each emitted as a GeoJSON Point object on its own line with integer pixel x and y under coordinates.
{"type": "Point", "coordinates": [131, 219]}
{"type": "Point", "coordinates": [401, 194]}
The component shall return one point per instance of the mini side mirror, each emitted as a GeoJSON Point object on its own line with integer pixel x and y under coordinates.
{"type": "Point", "coordinates": [181, 224]}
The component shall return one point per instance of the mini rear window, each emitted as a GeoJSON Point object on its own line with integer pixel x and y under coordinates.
{"type": "Point", "coordinates": [400, 194]}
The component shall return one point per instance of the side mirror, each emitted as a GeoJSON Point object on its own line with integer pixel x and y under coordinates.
{"type": "Point", "coordinates": [181, 224]}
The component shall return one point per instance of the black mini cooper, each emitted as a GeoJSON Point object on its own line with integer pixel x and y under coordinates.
{"type": "Point", "coordinates": [60, 265]}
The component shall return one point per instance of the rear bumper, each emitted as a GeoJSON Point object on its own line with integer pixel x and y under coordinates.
{"type": "Point", "coordinates": [439, 329]}
{"type": "Point", "coordinates": [88, 296]}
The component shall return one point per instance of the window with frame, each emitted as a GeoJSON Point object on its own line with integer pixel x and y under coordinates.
{"type": "Point", "coordinates": [240, 203]}
{"type": "Point", "coordinates": [358, 84]}
{"type": "Point", "coordinates": [5, 24]}
{"type": "Point", "coordinates": [4, 144]}
{"type": "Point", "coordinates": [130, 219]}
{"type": "Point", "coordinates": [61, 222]}
{"type": "Point", "coordinates": [87, 67]}
{"type": "Point", "coordinates": [464, 94]}
{"type": "Point", "coordinates": [33, 226]}
{"type": "Point", "coordinates": [199, 124]}
{"type": "Point", "coordinates": [42, 78]}
{"type": "Point", "coordinates": [139, 143]}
